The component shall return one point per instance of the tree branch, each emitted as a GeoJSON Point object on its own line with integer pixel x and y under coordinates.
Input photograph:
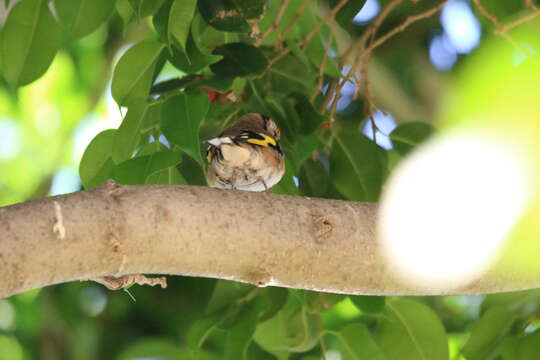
{"type": "Point", "coordinates": [260, 238]}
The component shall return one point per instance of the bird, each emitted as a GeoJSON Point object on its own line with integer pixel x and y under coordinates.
{"type": "Point", "coordinates": [247, 156]}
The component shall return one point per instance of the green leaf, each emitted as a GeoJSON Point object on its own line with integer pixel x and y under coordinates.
{"type": "Point", "coordinates": [226, 292]}
{"type": "Point", "coordinates": [291, 75]}
{"type": "Point", "coordinates": [144, 8]}
{"type": "Point", "coordinates": [217, 83]}
{"type": "Point", "coordinates": [356, 343]}
{"type": "Point", "coordinates": [316, 302]}
{"type": "Point", "coordinates": [167, 176]}
{"type": "Point", "coordinates": [310, 119]}
{"type": "Point", "coordinates": [276, 298]}
{"type": "Point", "coordinates": [518, 302]}
{"type": "Point", "coordinates": [238, 86]}
{"type": "Point", "coordinates": [509, 348]}
{"type": "Point", "coordinates": [250, 9]}
{"type": "Point", "coordinates": [134, 72]}
{"type": "Point", "coordinates": [129, 133]}
{"type": "Point", "coordinates": [239, 59]}
{"type": "Point", "coordinates": [304, 148]}
{"type": "Point", "coordinates": [161, 21]}
{"type": "Point", "coordinates": [347, 13]}
{"type": "Point", "coordinates": [292, 13]}
{"type": "Point", "coordinates": [207, 37]}
{"type": "Point", "coordinates": [231, 314]}
{"type": "Point", "coordinates": [180, 17]}
{"type": "Point", "coordinates": [411, 330]}
{"type": "Point", "coordinates": [239, 336]}
{"type": "Point", "coordinates": [313, 178]}
{"type": "Point", "coordinates": [293, 329]}
{"type": "Point", "coordinates": [223, 15]}
{"type": "Point", "coordinates": [192, 172]}
{"type": "Point", "coordinates": [286, 186]}
{"type": "Point", "coordinates": [316, 51]}
{"type": "Point", "coordinates": [125, 11]}
{"type": "Point", "coordinates": [29, 42]}
{"type": "Point", "coordinates": [96, 163]}
{"type": "Point", "coordinates": [409, 135]}
{"type": "Point", "coordinates": [151, 348]}
{"type": "Point", "coordinates": [282, 113]}
{"type": "Point", "coordinates": [487, 333]}
{"type": "Point", "coordinates": [369, 304]}
{"type": "Point", "coordinates": [81, 17]}
{"type": "Point", "coordinates": [181, 119]}
{"type": "Point", "coordinates": [192, 59]}
{"type": "Point", "coordinates": [529, 346]}
{"type": "Point", "coordinates": [137, 170]}
{"type": "Point", "coordinates": [357, 166]}
{"type": "Point", "coordinates": [200, 329]}
{"type": "Point", "coordinates": [254, 351]}
{"type": "Point", "coordinates": [299, 53]}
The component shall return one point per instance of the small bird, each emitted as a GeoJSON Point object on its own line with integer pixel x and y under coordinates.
{"type": "Point", "coordinates": [246, 156]}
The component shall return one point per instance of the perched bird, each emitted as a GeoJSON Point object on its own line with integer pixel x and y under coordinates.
{"type": "Point", "coordinates": [246, 156]}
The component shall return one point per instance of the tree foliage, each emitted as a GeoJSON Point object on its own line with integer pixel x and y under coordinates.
{"type": "Point", "coordinates": [186, 71]}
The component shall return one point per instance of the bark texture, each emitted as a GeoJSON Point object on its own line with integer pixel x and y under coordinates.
{"type": "Point", "coordinates": [260, 238]}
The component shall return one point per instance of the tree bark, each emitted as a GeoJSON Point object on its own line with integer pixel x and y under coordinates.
{"type": "Point", "coordinates": [260, 238]}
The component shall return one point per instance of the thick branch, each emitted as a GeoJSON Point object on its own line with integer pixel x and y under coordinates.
{"type": "Point", "coordinates": [260, 238]}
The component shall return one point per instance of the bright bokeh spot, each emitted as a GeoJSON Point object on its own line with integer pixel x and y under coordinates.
{"type": "Point", "coordinates": [332, 355]}
{"type": "Point", "coordinates": [442, 53]}
{"type": "Point", "coordinates": [89, 127]}
{"type": "Point", "coordinates": [347, 91]}
{"type": "Point", "coordinates": [384, 123]}
{"type": "Point", "coordinates": [461, 26]}
{"type": "Point", "coordinates": [519, 56]}
{"type": "Point", "coordinates": [10, 348]}
{"type": "Point", "coordinates": [368, 12]}
{"type": "Point", "coordinates": [47, 119]}
{"type": "Point", "coordinates": [448, 209]}
{"type": "Point", "coordinates": [10, 139]}
{"type": "Point", "coordinates": [7, 315]}
{"type": "Point", "coordinates": [346, 309]}
{"type": "Point", "coordinates": [93, 300]}
{"type": "Point", "coordinates": [66, 180]}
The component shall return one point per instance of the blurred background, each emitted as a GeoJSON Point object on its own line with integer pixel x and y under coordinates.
{"type": "Point", "coordinates": [46, 126]}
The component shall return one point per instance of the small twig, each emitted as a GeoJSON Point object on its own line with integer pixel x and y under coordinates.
{"type": "Point", "coordinates": [371, 30]}
{"type": "Point", "coordinates": [307, 39]}
{"type": "Point", "coordinates": [491, 17]}
{"type": "Point", "coordinates": [327, 19]}
{"type": "Point", "coordinates": [374, 127]}
{"type": "Point", "coordinates": [502, 30]}
{"type": "Point", "coordinates": [114, 283]}
{"type": "Point", "coordinates": [530, 4]}
{"type": "Point", "coordinates": [333, 88]}
{"type": "Point", "coordinates": [173, 84]}
{"type": "Point", "coordinates": [376, 43]}
{"type": "Point", "coordinates": [400, 28]}
{"type": "Point", "coordinates": [275, 23]}
{"type": "Point", "coordinates": [296, 17]}
{"type": "Point", "coordinates": [324, 60]}
{"type": "Point", "coordinates": [522, 20]}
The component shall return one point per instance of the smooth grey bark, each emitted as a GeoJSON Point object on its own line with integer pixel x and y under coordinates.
{"type": "Point", "coordinates": [260, 238]}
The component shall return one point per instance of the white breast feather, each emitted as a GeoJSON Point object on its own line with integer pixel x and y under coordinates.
{"type": "Point", "coordinates": [235, 155]}
{"type": "Point", "coordinates": [218, 141]}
